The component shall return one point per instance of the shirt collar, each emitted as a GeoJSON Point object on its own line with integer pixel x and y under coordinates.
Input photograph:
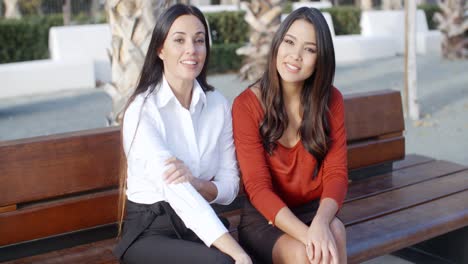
{"type": "Point", "coordinates": [165, 95]}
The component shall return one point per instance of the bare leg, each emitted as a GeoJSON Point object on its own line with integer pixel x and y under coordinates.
{"type": "Point", "coordinates": [339, 232]}
{"type": "Point", "coordinates": [289, 250]}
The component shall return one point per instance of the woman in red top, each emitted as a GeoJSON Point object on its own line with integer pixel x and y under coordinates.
{"type": "Point", "coordinates": [291, 145]}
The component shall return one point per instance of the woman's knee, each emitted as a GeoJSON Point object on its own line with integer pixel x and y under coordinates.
{"type": "Point", "coordinates": [289, 250]}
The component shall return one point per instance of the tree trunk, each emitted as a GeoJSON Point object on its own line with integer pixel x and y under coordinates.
{"type": "Point", "coordinates": [132, 23]}
{"type": "Point", "coordinates": [391, 4]}
{"type": "Point", "coordinates": [411, 84]}
{"type": "Point", "coordinates": [67, 12]}
{"type": "Point", "coordinates": [264, 18]}
{"type": "Point", "coordinates": [12, 9]}
{"type": "Point", "coordinates": [366, 5]}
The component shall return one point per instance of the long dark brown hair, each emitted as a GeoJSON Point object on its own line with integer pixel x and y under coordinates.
{"type": "Point", "coordinates": [152, 74]}
{"type": "Point", "coordinates": [314, 130]}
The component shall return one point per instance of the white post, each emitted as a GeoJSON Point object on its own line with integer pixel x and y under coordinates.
{"type": "Point", "coordinates": [411, 95]}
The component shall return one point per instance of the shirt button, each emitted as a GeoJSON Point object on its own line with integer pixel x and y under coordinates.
{"type": "Point", "coordinates": [270, 222]}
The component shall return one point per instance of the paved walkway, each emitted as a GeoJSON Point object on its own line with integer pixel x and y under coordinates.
{"type": "Point", "coordinates": [441, 133]}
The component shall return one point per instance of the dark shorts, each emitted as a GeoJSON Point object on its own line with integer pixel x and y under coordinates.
{"type": "Point", "coordinates": [258, 237]}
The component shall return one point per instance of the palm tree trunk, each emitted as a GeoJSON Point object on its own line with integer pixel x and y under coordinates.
{"type": "Point", "coordinates": [454, 27]}
{"type": "Point", "coordinates": [264, 18]}
{"type": "Point", "coordinates": [131, 22]}
{"type": "Point", "coordinates": [366, 4]}
{"type": "Point", "coordinates": [12, 9]}
{"type": "Point", "coordinates": [67, 12]}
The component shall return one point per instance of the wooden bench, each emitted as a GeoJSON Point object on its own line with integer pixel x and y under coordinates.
{"type": "Point", "coordinates": [59, 193]}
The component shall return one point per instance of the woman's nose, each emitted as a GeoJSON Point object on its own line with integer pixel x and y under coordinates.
{"type": "Point", "coordinates": [190, 47]}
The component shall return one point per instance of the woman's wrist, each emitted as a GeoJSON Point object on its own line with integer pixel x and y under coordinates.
{"type": "Point", "coordinates": [196, 183]}
{"type": "Point", "coordinates": [321, 220]}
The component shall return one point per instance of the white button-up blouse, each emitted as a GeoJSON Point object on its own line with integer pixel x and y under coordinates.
{"type": "Point", "coordinates": [201, 137]}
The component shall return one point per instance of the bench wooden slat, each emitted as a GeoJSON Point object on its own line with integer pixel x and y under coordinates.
{"type": "Point", "coordinates": [411, 160]}
{"type": "Point", "coordinates": [400, 178]}
{"type": "Point", "coordinates": [378, 205]}
{"type": "Point", "coordinates": [373, 152]}
{"type": "Point", "coordinates": [373, 114]}
{"type": "Point", "coordinates": [58, 217]}
{"type": "Point", "coordinates": [8, 208]}
{"type": "Point", "coordinates": [58, 166]}
{"type": "Point", "coordinates": [407, 227]}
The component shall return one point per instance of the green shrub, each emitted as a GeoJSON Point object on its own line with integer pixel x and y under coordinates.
{"type": "Point", "coordinates": [430, 10]}
{"type": "Point", "coordinates": [345, 19]}
{"type": "Point", "coordinates": [223, 58]}
{"type": "Point", "coordinates": [26, 39]}
{"type": "Point", "coordinates": [228, 27]}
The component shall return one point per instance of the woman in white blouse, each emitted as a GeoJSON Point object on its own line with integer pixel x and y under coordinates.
{"type": "Point", "coordinates": [177, 138]}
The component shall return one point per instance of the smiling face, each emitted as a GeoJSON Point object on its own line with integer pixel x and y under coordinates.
{"type": "Point", "coordinates": [297, 53]}
{"type": "Point", "coordinates": [184, 50]}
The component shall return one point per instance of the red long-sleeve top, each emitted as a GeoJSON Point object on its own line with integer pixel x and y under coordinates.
{"type": "Point", "coordinates": [285, 177]}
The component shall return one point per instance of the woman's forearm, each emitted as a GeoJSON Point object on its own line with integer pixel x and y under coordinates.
{"type": "Point", "coordinates": [287, 222]}
{"type": "Point", "coordinates": [207, 189]}
{"type": "Point", "coordinates": [326, 211]}
{"type": "Point", "coordinates": [227, 244]}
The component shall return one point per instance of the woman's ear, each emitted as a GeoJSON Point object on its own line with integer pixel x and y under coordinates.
{"type": "Point", "coordinates": [161, 54]}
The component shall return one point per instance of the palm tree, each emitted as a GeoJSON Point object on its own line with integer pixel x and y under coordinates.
{"type": "Point", "coordinates": [264, 17]}
{"type": "Point", "coordinates": [12, 9]}
{"type": "Point", "coordinates": [131, 23]}
{"type": "Point", "coordinates": [454, 27]}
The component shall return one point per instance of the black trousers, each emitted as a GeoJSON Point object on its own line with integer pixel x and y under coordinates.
{"type": "Point", "coordinates": [156, 234]}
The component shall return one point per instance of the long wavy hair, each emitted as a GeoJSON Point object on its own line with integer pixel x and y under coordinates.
{"type": "Point", "coordinates": [151, 76]}
{"type": "Point", "coordinates": [314, 130]}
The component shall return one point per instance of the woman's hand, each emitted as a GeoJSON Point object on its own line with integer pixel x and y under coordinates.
{"type": "Point", "coordinates": [227, 244]}
{"type": "Point", "coordinates": [242, 259]}
{"type": "Point", "coordinates": [177, 172]}
{"type": "Point", "coordinates": [321, 245]}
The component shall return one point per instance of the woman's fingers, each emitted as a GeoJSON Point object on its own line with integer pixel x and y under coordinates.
{"type": "Point", "coordinates": [334, 253]}
{"type": "Point", "coordinates": [173, 176]}
{"type": "Point", "coordinates": [317, 254]}
{"type": "Point", "coordinates": [325, 255]}
{"type": "Point", "coordinates": [309, 252]}
{"type": "Point", "coordinates": [176, 172]}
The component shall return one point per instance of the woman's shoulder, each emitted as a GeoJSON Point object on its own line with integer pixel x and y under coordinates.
{"type": "Point", "coordinates": [249, 97]}
{"type": "Point", "coordinates": [336, 97]}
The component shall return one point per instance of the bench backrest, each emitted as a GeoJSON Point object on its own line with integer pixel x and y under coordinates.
{"type": "Point", "coordinates": [69, 181]}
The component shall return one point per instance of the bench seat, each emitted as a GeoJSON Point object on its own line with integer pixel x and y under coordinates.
{"type": "Point", "coordinates": [419, 199]}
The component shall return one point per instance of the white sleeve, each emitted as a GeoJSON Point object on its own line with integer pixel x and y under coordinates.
{"type": "Point", "coordinates": [227, 176]}
{"type": "Point", "coordinates": [147, 156]}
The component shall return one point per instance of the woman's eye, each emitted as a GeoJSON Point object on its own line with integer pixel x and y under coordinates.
{"type": "Point", "coordinates": [200, 41]}
{"type": "Point", "coordinates": [179, 40]}
{"type": "Point", "coordinates": [288, 41]}
{"type": "Point", "coordinates": [311, 50]}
